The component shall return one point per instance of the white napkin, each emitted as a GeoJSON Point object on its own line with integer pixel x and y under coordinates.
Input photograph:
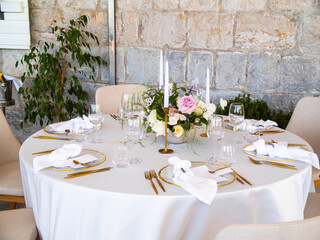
{"type": "Point", "coordinates": [58, 158]}
{"type": "Point", "coordinates": [62, 126]}
{"type": "Point", "coordinates": [197, 181]}
{"type": "Point", "coordinates": [262, 124]}
{"type": "Point", "coordinates": [282, 150]}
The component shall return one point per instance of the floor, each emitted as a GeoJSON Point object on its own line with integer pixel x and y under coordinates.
{"type": "Point", "coordinates": [6, 205]}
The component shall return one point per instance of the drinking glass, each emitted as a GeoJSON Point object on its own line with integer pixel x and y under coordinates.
{"type": "Point", "coordinates": [252, 132]}
{"type": "Point", "coordinates": [127, 101]}
{"type": "Point", "coordinates": [96, 118]}
{"type": "Point", "coordinates": [236, 116]}
{"type": "Point", "coordinates": [121, 156]}
{"type": "Point", "coordinates": [78, 132]}
{"type": "Point", "coordinates": [216, 132]}
{"type": "Point", "coordinates": [133, 129]}
{"type": "Point", "coordinates": [227, 153]}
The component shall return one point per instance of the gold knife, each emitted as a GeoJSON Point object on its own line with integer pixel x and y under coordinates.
{"type": "Point", "coordinates": [55, 138]}
{"type": "Point", "coordinates": [44, 152]}
{"type": "Point", "coordinates": [244, 179]}
{"type": "Point", "coordinates": [83, 173]}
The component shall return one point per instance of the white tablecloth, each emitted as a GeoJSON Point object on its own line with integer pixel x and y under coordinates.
{"type": "Point", "coordinates": [120, 204]}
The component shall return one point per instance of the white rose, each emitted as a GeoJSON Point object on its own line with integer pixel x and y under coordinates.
{"type": "Point", "coordinates": [223, 103]}
{"type": "Point", "coordinates": [198, 111]}
{"type": "Point", "coordinates": [201, 104]}
{"type": "Point", "coordinates": [173, 120]}
{"type": "Point", "coordinates": [152, 118]}
{"type": "Point", "coordinates": [211, 108]}
{"type": "Point", "coordinates": [182, 117]}
{"type": "Point", "coordinates": [159, 128]}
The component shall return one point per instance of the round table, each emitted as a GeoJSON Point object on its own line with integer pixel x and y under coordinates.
{"type": "Point", "coordinates": [121, 204]}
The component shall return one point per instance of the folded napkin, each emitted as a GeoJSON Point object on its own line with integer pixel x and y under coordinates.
{"type": "Point", "coordinates": [261, 123]}
{"type": "Point", "coordinates": [282, 150]}
{"type": "Point", "coordinates": [62, 126]}
{"type": "Point", "coordinates": [197, 181]}
{"type": "Point", "coordinates": [62, 157]}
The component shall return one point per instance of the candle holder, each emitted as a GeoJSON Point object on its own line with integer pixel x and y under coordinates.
{"type": "Point", "coordinates": [205, 134]}
{"type": "Point", "coordinates": [166, 150]}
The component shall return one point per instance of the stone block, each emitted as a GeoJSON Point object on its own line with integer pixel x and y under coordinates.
{"type": "Point", "coordinates": [285, 103]}
{"type": "Point", "coordinates": [41, 20]}
{"type": "Point", "coordinates": [177, 65]}
{"type": "Point", "coordinates": [127, 27]}
{"type": "Point", "coordinates": [253, 32]}
{"type": "Point", "coordinates": [133, 4]}
{"type": "Point", "coordinates": [105, 74]}
{"type": "Point", "coordinates": [91, 89]}
{"type": "Point", "coordinates": [300, 74]}
{"type": "Point", "coordinates": [210, 31]}
{"type": "Point", "coordinates": [291, 5]}
{"type": "Point", "coordinates": [231, 70]}
{"type": "Point", "coordinates": [9, 58]}
{"type": "Point", "coordinates": [104, 4]}
{"type": "Point", "coordinates": [166, 4]}
{"type": "Point", "coordinates": [161, 28]}
{"type": "Point", "coordinates": [200, 5]}
{"type": "Point", "coordinates": [310, 36]}
{"type": "Point", "coordinates": [227, 95]}
{"type": "Point", "coordinates": [198, 62]}
{"type": "Point", "coordinates": [142, 67]}
{"type": "Point", "coordinates": [78, 4]}
{"type": "Point", "coordinates": [41, 3]}
{"type": "Point", "coordinates": [244, 5]}
{"type": "Point", "coordinates": [263, 71]}
{"type": "Point", "coordinates": [121, 68]}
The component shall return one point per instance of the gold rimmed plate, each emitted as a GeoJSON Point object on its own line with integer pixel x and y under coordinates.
{"type": "Point", "coordinates": [266, 157]}
{"type": "Point", "coordinates": [51, 130]}
{"type": "Point", "coordinates": [100, 158]}
{"type": "Point", "coordinates": [262, 129]}
{"type": "Point", "coordinates": [166, 173]}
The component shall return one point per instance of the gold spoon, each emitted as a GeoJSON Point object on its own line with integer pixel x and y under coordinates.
{"type": "Point", "coordinates": [77, 162]}
{"type": "Point", "coordinates": [67, 131]}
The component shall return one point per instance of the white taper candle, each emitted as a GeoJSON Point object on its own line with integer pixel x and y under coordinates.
{"type": "Point", "coordinates": [161, 70]}
{"type": "Point", "coordinates": [166, 86]}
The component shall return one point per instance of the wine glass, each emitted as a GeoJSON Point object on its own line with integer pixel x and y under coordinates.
{"type": "Point", "coordinates": [236, 116]}
{"type": "Point", "coordinates": [96, 118]}
{"type": "Point", "coordinates": [133, 131]}
{"type": "Point", "coordinates": [215, 131]}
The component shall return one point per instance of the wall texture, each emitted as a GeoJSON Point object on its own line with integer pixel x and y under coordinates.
{"type": "Point", "coordinates": [268, 48]}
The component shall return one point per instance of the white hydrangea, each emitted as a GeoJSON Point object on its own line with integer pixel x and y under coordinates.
{"type": "Point", "coordinates": [159, 128]}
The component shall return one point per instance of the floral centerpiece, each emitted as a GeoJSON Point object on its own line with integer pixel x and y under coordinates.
{"type": "Point", "coordinates": [186, 110]}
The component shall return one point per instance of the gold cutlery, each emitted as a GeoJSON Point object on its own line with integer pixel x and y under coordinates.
{"type": "Point", "coordinates": [84, 164]}
{"type": "Point", "coordinates": [49, 137]}
{"type": "Point", "coordinates": [213, 171]}
{"type": "Point", "coordinates": [270, 131]}
{"type": "Point", "coordinates": [83, 173]}
{"type": "Point", "coordinates": [44, 152]}
{"type": "Point", "coordinates": [148, 177]}
{"type": "Point", "coordinates": [244, 179]}
{"type": "Point", "coordinates": [290, 144]}
{"type": "Point", "coordinates": [239, 180]}
{"type": "Point", "coordinates": [276, 164]}
{"type": "Point", "coordinates": [67, 131]}
{"type": "Point", "coordinates": [154, 175]}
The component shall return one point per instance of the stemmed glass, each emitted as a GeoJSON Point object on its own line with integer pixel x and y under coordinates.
{"type": "Point", "coordinates": [133, 131]}
{"type": "Point", "coordinates": [216, 132]}
{"type": "Point", "coordinates": [236, 116]}
{"type": "Point", "coordinates": [96, 118]}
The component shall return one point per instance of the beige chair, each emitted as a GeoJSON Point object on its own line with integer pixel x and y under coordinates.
{"type": "Point", "coordinates": [10, 179]}
{"type": "Point", "coordinates": [312, 208]}
{"type": "Point", "coordinates": [110, 96]}
{"type": "Point", "coordinates": [305, 122]}
{"type": "Point", "coordinates": [307, 229]}
{"type": "Point", "coordinates": [18, 224]}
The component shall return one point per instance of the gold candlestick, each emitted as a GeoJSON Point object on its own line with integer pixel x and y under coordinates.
{"type": "Point", "coordinates": [205, 134]}
{"type": "Point", "coordinates": [165, 150]}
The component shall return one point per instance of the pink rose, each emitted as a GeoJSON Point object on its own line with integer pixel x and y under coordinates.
{"type": "Point", "coordinates": [172, 111]}
{"type": "Point", "coordinates": [197, 120]}
{"type": "Point", "coordinates": [187, 104]}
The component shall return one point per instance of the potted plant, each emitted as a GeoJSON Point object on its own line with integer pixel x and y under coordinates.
{"type": "Point", "coordinates": [51, 94]}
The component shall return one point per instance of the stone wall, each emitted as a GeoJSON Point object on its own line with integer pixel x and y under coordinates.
{"type": "Point", "coordinates": [268, 48]}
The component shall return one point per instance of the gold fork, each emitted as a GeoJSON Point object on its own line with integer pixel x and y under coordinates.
{"type": "Point", "coordinates": [153, 174]}
{"type": "Point", "coordinates": [276, 164]}
{"type": "Point", "coordinates": [148, 177]}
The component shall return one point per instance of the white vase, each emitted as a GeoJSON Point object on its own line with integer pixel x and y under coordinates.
{"type": "Point", "coordinates": [176, 140]}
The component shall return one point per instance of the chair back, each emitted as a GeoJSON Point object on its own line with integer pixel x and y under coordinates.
{"type": "Point", "coordinates": [9, 145]}
{"type": "Point", "coordinates": [307, 229]}
{"type": "Point", "coordinates": [305, 121]}
{"type": "Point", "coordinates": [110, 96]}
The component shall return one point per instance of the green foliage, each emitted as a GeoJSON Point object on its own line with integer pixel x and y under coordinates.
{"type": "Point", "coordinates": [49, 97]}
{"type": "Point", "coordinates": [257, 109]}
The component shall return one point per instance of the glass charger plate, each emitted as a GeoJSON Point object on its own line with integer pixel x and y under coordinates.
{"type": "Point", "coordinates": [166, 174]}
{"type": "Point", "coordinates": [230, 127]}
{"type": "Point", "coordinates": [265, 157]}
{"type": "Point", "coordinates": [49, 129]}
{"type": "Point", "coordinates": [99, 155]}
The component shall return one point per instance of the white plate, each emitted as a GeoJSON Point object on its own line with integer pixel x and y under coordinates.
{"type": "Point", "coordinates": [50, 129]}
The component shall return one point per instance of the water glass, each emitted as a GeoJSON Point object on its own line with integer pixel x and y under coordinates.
{"type": "Point", "coordinates": [227, 153]}
{"type": "Point", "coordinates": [215, 131]}
{"type": "Point", "coordinates": [252, 132]}
{"type": "Point", "coordinates": [133, 129]}
{"type": "Point", "coordinates": [121, 156]}
{"type": "Point", "coordinates": [79, 132]}
{"type": "Point", "coordinates": [96, 117]}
